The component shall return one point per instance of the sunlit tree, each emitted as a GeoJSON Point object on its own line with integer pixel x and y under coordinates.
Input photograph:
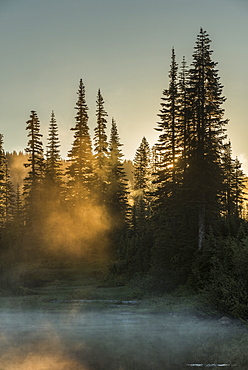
{"type": "Point", "coordinates": [53, 173]}
{"type": "Point", "coordinates": [52, 186]}
{"type": "Point", "coordinates": [101, 148]}
{"type": "Point", "coordinates": [80, 169]}
{"type": "Point", "coordinates": [142, 182]}
{"type": "Point", "coordinates": [136, 252]}
{"type": "Point", "coordinates": [33, 181]}
{"type": "Point", "coordinates": [2, 181]}
{"type": "Point", "coordinates": [6, 189]}
{"type": "Point", "coordinates": [117, 181]}
{"type": "Point", "coordinates": [233, 188]}
{"type": "Point", "coordinates": [168, 139]}
{"type": "Point", "coordinates": [18, 208]}
{"type": "Point", "coordinates": [239, 193]}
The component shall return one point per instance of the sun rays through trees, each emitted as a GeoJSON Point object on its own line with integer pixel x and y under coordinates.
{"type": "Point", "coordinates": [169, 220]}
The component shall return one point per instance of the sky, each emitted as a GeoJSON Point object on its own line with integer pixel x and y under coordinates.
{"type": "Point", "coordinates": [122, 47]}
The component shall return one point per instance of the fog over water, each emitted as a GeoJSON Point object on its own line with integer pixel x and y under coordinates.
{"type": "Point", "coordinates": [117, 338]}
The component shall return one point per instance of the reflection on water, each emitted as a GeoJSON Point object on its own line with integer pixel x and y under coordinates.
{"type": "Point", "coordinates": [117, 339]}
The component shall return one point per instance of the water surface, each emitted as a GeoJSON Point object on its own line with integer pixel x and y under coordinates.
{"type": "Point", "coordinates": [118, 338]}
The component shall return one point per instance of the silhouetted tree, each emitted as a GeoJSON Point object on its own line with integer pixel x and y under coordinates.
{"type": "Point", "coordinates": [142, 182]}
{"type": "Point", "coordinates": [101, 148]}
{"type": "Point", "coordinates": [53, 173]}
{"type": "Point", "coordinates": [238, 188]}
{"type": "Point", "coordinates": [80, 168]}
{"type": "Point", "coordinates": [168, 139]}
{"type": "Point", "coordinates": [184, 127]}
{"type": "Point", "coordinates": [117, 181]}
{"type": "Point", "coordinates": [207, 124]}
{"type": "Point", "coordinates": [6, 189]}
{"type": "Point", "coordinates": [33, 181]}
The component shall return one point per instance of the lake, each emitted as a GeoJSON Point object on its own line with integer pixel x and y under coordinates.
{"type": "Point", "coordinates": [118, 337]}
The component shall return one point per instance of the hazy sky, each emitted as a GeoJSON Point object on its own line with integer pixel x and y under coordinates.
{"type": "Point", "coordinates": [122, 47]}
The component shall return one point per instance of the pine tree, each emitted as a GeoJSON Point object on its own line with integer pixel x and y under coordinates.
{"type": "Point", "coordinates": [35, 152]}
{"type": "Point", "coordinates": [16, 234]}
{"type": "Point", "coordinates": [2, 182]}
{"type": "Point", "coordinates": [169, 166]}
{"type": "Point", "coordinates": [238, 188]}
{"type": "Point", "coordinates": [53, 171]}
{"type": "Point", "coordinates": [80, 169]}
{"type": "Point", "coordinates": [184, 127]}
{"type": "Point", "coordinates": [52, 187]}
{"type": "Point", "coordinates": [227, 196]}
{"type": "Point", "coordinates": [6, 189]}
{"type": "Point", "coordinates": [168, 174]}
{"type": "Point", "coordinates": [207, 125]}
{"type": "Point", "coordinates": [233, 187]}
{"type": "Point", "coordinates": [136, 254]}
{"type": "Point", "coordinates": [142, 182]}
{"type": "Point", "coordinates": [168, 144]}
{"type": "Point", "coordinates": [188, 157]}
{"type": "Point", "coordinates": [117, 188]}
{"type": "Point", "coordinates": [141, 165]}
{"type": "Point", "coordinates": [101, 148]}
{"type": "Point", "coordinates": [18, 209]}
{"type": "Point", "coordinates": [33, 181]}
{"type": "Point", "coordinates": [9, 196]}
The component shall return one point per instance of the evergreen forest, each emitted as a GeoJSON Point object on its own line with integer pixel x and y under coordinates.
{"type": "Point", "coordinates": [173, 218]}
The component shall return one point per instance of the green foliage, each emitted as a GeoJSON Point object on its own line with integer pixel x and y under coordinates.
{"type": "Point", "coordinates": [228, 277]}
{"type": "Point", "coordinates": [6, 189]}
{"type": "Point", "coordinates": [101, 149]}
{"type": "Point", "coordinates": [34, 149]}
{"type": "Point", "coordinates": [116, 192]}
{"type": "Point", "coordinates": [169, 142]}
{"type": "Point", "coordinates": [53, 173]}
{"type": "Point", "coordinates": [220, 271]}
{"type": "Point", "coordinates": [79, 172]}
{"type": "Point", "coordinates": [187, 196]}
{"type": "Point", "coordinates": [172, 252]}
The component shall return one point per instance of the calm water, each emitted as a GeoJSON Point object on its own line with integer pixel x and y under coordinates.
{"type": "Point", "coordinates": [118, 339]}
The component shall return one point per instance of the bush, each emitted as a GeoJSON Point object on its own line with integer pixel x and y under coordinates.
{"type": "Point", "coordinates": [228, 277]}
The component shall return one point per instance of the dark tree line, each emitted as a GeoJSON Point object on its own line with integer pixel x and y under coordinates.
{"type": "Point", "coordinates": [181, 215]}
{"type": "Point", "coordinates": [188, 209]}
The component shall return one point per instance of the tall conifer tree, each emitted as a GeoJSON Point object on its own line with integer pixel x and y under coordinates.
{"type": "Point", "coordinates": [239, 180]}
{"type": "Point", "coordinates": [184, 127]}
{"type": "Point", "coordinates": [205, 94]}
{"type": "Point", "coordinates": [80, 169]}
{"type": "Point", "coordinates": [6, 189]}
{"type": "Point", "coordinates": [142, 181]}
{"type": "Point", "coordinates": [117, 188]}
{"type": "Point", "coordinates": [168, 139]}
{"type": "Point", "coordinates": [33, 181]}
{"type": "Point", "coordinates": [52, 184]}
{"type": "Point", "coordinates": [35, 152]}
{"type": "Point", "coordinates": [101, 147]}
{"type": "Point", "coordinates": [53, 172]}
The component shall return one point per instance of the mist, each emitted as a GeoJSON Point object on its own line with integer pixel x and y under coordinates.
{"type": "Point", "coordinates": [118, 337]}
{"type": "Point", "coordinates": [16, 167]}
{"type": "Point", "coordinates": [82, 232]}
